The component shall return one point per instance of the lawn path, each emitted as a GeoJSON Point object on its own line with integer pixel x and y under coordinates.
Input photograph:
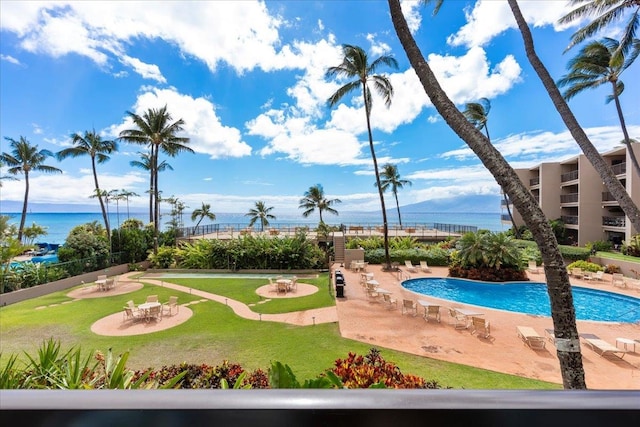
{"type": "Point", "coordinates": [300, 318]}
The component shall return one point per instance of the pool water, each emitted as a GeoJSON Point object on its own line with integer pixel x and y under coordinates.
{"type": "Point", "coordinates": [529, 298]}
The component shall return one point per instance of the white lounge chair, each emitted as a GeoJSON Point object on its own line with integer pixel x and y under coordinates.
{"type": "Point", "coordinates": [412, 268]}
{"type": "Point", "coordinates": [480, 326]}
{"type": "Point", "coordinates": [458, 320]}
{"type": "Point", "coordinates": [598, 275]}
{"type": "Point", "coordinates": [432, 312]}
{"type": "Point", "coordinates": [409, 306]}
{"type": "Point", "coordinates": [389, 302]}
{"type": "Point", "coordinates": [617, 279]}
{"type": "Point", "coordinates": [424, 267]}
{"type": "Point", "coordinates": [603, 348]}
{"type": "Point", "coordinates": [533, 267]}
{"type": "Point", "coordinates": [530, 337]}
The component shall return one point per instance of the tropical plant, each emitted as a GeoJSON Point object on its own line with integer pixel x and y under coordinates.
{"type": "Point", "coordinates": [202, 213]}
{"type": "Point", "coordinates": [390, 178]}
{"type": "Point", "coordinates": [32, 232]}
{"type": "Point", "coordinates": [585, 266]}
{"type": "Point", "coordinates": [478, 114]}
{"type": "Point", "coordinates": [355, 65]}
{"type": "Point", "coordinates": [562, 310]}
{"type": "Point", "coordinates": [86, 241]}
{"type": "Point", "coordinates": [155, 129]}
{"type": "Point", "coordinates": [25, 158]}
{"type": "Point", "coordinates": [260, 213]}
{"type": "Point", "coordinates": [607, 11]}
{"type": "Point", "coordinates": [607, 175]}
{"type": "Point", "coordinates": [91, 144]}
{"type": "Point", "coordinates": [313, 199]}
{"type": "Point", "coordinates": [146, 163]}
{"type": "Point", "coordinates": [598, 63]}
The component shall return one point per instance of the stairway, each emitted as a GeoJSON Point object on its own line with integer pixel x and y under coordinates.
{"type": "Point", "coordinates": [338, 246]}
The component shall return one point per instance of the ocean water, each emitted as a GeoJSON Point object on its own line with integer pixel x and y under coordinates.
{"type": "Point", "coordinates": [58, 225]}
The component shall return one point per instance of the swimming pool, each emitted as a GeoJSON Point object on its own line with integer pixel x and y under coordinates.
{"type": "Point", "coordinates": [529, 298]}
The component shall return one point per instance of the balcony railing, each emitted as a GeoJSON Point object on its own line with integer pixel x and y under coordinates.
{"type": "Point", "coordinates": [620, 168]}
{"type": "Point", "coordinates": [504, 202]}
{"type": "Point", "coordinates": [614, 221]}
{"type": "Point", "coordinates": [569, 198]}
{"type": "Point", "coordinates": [505, 217]}
{"type": "Point", "coordinates": [569, 176]}
{"type": "Point", "coordinates": [608, 197]}
{"type": "Point", "coordinates": [570, 219]}
{"type": "Point", "coordinates": [534, 181]}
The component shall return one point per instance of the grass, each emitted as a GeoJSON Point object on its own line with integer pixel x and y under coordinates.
{"type": "Point", "coordinates": [618, 256]}
{"type": "Point", "coordinates": [215, 334]}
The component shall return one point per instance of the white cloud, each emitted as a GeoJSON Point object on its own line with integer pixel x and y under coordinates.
{"type": "Point", "coordinates": [488, 19]}
{"type": "Point", "coordinates": [207, 134]}
{"type": "Point", "coordinates": [10, 59]}
{"type": "Point", "coordinates": [411, 12]}
{"type": "Point", "coordinates": [147, 71]}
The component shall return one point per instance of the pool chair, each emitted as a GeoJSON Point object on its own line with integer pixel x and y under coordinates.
{"type": "Point", "coordinates": [458, 320]}
{"type": "Point", "coordinates": [601, 347]}
{"type": "Point", "coordinates": [530, 337]}
{"type": "Point", "coordinates": [432, 312]}
{"type": "Point", "coordinates": [598, 276]}
{"type": "Point", "coordinates": [577, 273]}
{"type": "Point", "coordinates": [389, 302]}
{"type": "Point", "coordinates": [480, 326]}
{"type": "Point", "coordinates": [409, 306]}
{"type": "Point", "coordinates": [412, 268]}
{"type": "Point", "coordinates": [533, 267]}
{"type": "Point", "coordinates": [617, 279]}
{"type": "Point", "coordinates": [424, 267]}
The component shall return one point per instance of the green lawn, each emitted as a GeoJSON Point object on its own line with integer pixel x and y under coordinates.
{"type": "Point", "coordinates": [215, 334]}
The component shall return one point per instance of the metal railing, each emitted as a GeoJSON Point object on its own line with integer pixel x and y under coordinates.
{"type": "Point", "coordinates": [614, 221]}
{"type": "Point", "coordinates": [569, 176]}
{"type": "Point", "coordinates": [569, 198]}
{"type": "Point", "coordinates": [570, 219]}
{"type": "Point", "coordinates": [608, 197]}
{"type": "Point", "coordinates": [534, 181]}
{"type": "Point", "coordinates": [619, 168]}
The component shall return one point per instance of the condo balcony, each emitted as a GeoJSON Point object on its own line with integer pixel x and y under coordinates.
{"type": "Point", "coordinates": [614, 221]}
{"type": "Point", "coordinates": [569, 176]}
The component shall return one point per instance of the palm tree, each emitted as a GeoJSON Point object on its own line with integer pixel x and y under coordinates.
{"type": "Point", "coordinates": [313, 199]}
{"type": "Point", "coordinates": [607, 11]}
{"type": "Point", "coordinates": [478, 114]}
{"type": "Point", "coordinates": [609, 179]}
{"type": "Point", "coordinates": [355, 65]}
{"type": "Point", "coordinates": [127, 194]}
{"type": "Point", "coordinates": [25, 158]}
{"type": "Point", "coordinates": [598, 63]}
{"type": "Point", "coordinates": [390, 178]}
{"type": "Point", "coordinates": [202, 213]}
{"type": "Point", "coordinates": [260, 212]}
{"type": "Point", "coordinates": [156, 129]}
{"type": "Point", "coordinates": [117, 196]}
{"type": "Point", "coordinates": [145, 163]}
{"type": "Point", "coordinates": [91, 144]}
{"type": "Point", "coordinates": [559, 288]}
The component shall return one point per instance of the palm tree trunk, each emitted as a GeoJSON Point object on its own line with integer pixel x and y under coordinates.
{"type": "Point", "coordinates": [23, 218]}
{"type": "Point", "coordinates": [398, 208]}
{"type": "Point", "coordinates": [627, 141]}
{"type": "Point", "coordinates": [385, 226]}
{"type": "Point", "coordinates": [606, 173]}
{"type": "Point", "coordinates": [156, 201]}
{"type": "Point", "coordinates": [320, 211]}
{"type": "Point", "coordinates": [516, 232]}
{"type": "Point", "coordinates": [102, 208]}
{"type": "Point", "coordinates": [558, 286]}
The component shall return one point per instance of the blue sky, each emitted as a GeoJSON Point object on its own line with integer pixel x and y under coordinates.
{"type": "Point", "coordinates": [248, 80]}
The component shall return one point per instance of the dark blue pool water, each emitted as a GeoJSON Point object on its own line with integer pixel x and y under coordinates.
{"type": "Point", "coordinates": [529, 298]}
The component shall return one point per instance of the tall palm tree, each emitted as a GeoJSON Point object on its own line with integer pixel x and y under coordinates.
{"type": "Point", "coordinates": [156, 130]}
{"type": "Point", "coordinates": [23, 159]}
{"type": "Point", "coordinates": [260, 213]}
{"type": "Point", "coordinates": [355, 65]}
{"type": "Point", "coordinates": [313, 199]}
{"type": "Point", "coordinates": [598, 63]}
{"type": "Point", "coordinates": [390, 178]}
{"type": "Point", "coordinates": [559, 288]}
{"type": "Point", "coordinates": [609, 179]}
{"type": "Point", "coordinates": [127, 194]}
{"type": "Point", "coordinates": [146, 163]}
{"type": "Point", "coordinates": [606, 12]}
{"type": "Point", "coordinates": [478, 114]}
{"type": "Point", "coordinates": [91, 144]}
{"type": "Point", "coordinates": [202, 213]}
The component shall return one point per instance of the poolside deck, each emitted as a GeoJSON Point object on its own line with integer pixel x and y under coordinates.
{"type": "Point", "coordinates": [370, 321]}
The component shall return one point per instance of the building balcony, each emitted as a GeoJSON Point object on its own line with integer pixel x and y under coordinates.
{"type": "Point", "coordinates": [569, 198]}
{"type": "Point", "coordinates": [614, 221]}
{"type": "Point", "coordinates": [570, 219]}
{"type": "Point", "coordinates": [505, 218]}
{"type": "Point", "coordinates": [569, 176]}
{"type": "Point", "coordinates": [534, 181]}
{"type": "Point", "coordinates": [608, 197]}
{"type": "Point", "coordinates": [620, 168]}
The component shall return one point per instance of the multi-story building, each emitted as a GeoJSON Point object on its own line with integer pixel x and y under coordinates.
{"type": "Point", "coordinates": [573, 191]}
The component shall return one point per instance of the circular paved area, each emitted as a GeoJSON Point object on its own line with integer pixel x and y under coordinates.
{"type": "Point", "coordinates": [268, 291]}
{"type": "Point", "coordinates": [114, 325]}
{"type": "Point", "coordinates": [91, 291]}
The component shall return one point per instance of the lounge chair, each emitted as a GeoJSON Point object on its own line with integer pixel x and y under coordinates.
{"type": "Point", "coordinates": [432, 312]}
{"type": "Point", "coordinates": [481, 326]}
{"type": "Point", "coordinates": [602, 348]}
{"type": "Point", "coordinates": [409, 306]}
{"type": "Point", "coordinates": [598, 275]}
{"type": "Point", "coordinates": [530, 337]}
{"type": "Point", "coordinates": [390, 303]}
{"type": "Point", "coordinates": [458, 320]}
{"type": "Point", "coordinates": [424, 267]}
{"type": "Point", "coordinates": [412, 268]}
{"type": "Point", "coordinates": [577, 273]}
{"type": "Point", "coordinates": [533, 267]}
{"type": "Point", "coordinates": [617, 279]}
{"type": "Point", "coordinates": [170, 305]}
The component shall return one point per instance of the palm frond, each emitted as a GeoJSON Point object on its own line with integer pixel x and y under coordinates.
{"type": "Point", "coordinates": [342, 92]}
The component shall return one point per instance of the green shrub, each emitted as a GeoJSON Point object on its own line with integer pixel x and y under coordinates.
{"type": "Point", "coordinates": [585, 266]}
{"type": "Point", "coordinates": [434, 256]}
{"type": "Point", "coordinates": [573, 253]}
{"type": "Point", "coordinates": [599, 245]}
{"type": "Point", "coordinates": [633, 248]}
